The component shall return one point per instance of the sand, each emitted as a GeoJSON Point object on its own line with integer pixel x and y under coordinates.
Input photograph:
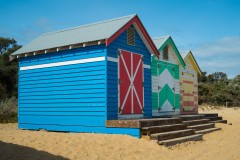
{"type": "Point", "coordinates": [34, 145]}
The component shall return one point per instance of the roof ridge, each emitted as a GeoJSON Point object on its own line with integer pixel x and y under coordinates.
{"type": "Point", "coordinates": [186, 51]}
{"type": "Point", "coordinates": [89, 24]}
{"type": "Point", "coordinates": [162, 37]}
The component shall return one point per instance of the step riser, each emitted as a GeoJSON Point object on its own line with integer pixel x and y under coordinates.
{"type": "Point", "coordinates": [202, 127]}
{"type": "Point", "coordinates": [214, 118]}
{"type": "Point", "coordinates": [210, 115]}
{"type": "Point", "coordinates": [192, 118]}
{"type": "Point", "coordinates": [166, 129]}
{"type": "Point", "coordinates": [174, 142]}
{"type": "Point", "coordinates": [190, 123]}
{"type": "Point", "coordinates": [172, 135]}
{"type": "Point", "coordinates": [208, 131]}
{"type": "Point", "coordinates": [220, 121]}
{"type": "Point", "coordinates": [159, 122]}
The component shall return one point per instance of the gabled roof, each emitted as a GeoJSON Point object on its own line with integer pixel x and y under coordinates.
{"type": "Point", "coordinates": [105, 31]}
{"type": "Point", "coordinates": [161, 42]}
{"type": "Point", "coordinates": [188, 54]}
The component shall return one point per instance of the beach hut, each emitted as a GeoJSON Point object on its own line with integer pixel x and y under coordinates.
{"type": "Point", "coordinates": [76, 79]}
{"type": "Point", "coordinates": [165, 78]}
{"type": "Point", "coordinates": [189, 84]}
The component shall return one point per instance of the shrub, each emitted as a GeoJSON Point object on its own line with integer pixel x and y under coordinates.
{"type": "Point", "coordinates": [8, 110]}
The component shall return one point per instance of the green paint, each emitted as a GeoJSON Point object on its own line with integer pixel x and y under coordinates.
{"type": "Point", "coordinates": [159, 66]}
{"type": "Point", "coordinates": [155, 101]}
{"type": "Point", "coordinates": [170, 41]}
{"type": "Point", "coordinates": [166, 93]}
{"type": "Point", "coordinates": [177, 101]}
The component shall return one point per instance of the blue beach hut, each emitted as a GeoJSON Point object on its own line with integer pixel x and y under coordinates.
{"type": "Point", "coordinates": [77, 79]}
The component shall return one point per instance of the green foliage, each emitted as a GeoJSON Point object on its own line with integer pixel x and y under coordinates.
{"type": "Point", "coordinates": [8, 110]}
{"type": "Point", "coordinates": [217, 89]}
{"type": "Point", "coordinates": [8, 80]}
{"type": "Point", "coordinates": [8, 70]}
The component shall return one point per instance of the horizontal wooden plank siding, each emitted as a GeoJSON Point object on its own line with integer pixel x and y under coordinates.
{"type": "Point", "coordinates": [68, 97]}
{"type": "Point", "coordinates": [112, 74]}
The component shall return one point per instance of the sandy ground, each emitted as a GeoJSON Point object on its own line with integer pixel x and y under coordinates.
{"type": "Point", "coordinates": [34, 145]}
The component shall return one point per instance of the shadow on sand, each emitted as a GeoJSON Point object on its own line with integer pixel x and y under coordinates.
{"type": "Point", "coordinates": [16, 152]}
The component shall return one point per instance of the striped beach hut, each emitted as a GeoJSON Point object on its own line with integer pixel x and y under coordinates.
{"type": "Point", "coordinates": [165, 78]}
{"type": "Point", "coordinates": [189, 84]}
{"type": "Point", "coordinates": [76, 79]}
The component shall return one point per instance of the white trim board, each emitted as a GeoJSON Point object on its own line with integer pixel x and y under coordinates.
{"type": "Point", "coordinates": [56, 64]}
{"type": "Point", "coordinates": [112, 59]}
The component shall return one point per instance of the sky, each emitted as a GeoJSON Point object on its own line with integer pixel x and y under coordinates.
{"type": "Point", "coordinates": [209, 28]}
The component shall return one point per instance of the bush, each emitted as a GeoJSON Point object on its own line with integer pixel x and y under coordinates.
{"type": "Point", "coordinates": [8, 110]}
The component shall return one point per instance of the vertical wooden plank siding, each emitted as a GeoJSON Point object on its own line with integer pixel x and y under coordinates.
{"type": "Point", "coordinates": [188, 89]}
{"type": "Point", "coordinates": [164, 71]}
{"type": "Point", "coordinates": [68, 97]}
{"type": "Point", "coordinates": [112, 72]}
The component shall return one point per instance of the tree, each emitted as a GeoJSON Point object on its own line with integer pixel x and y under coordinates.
{"type": "Point", "coordinates": [219, 76]}
{"type": "Point", "coordinates": [8, 70]}
{"type": "Point", "coordinates": [6, 44]}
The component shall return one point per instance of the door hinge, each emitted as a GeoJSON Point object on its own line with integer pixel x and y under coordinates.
{"type": "Point", "coordinates": [142, 58]}
{"type": "Point", "coordinates": [159, 87]}
{"type": "Point", "coordinates": [143, 84]}
{"type": "Point", "coordinates": [173, 88]}
{"type": "Point", "coordinates": [120, 81]}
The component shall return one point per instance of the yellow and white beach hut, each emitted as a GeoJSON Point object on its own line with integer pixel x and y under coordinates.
{"type": "Point", "coordinates": [189, 84]}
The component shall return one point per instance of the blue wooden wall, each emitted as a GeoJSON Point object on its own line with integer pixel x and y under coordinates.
{"type": "Point", "coordinates": [112, 74]}
{"type": "Point", "coordinates": [66, 98]}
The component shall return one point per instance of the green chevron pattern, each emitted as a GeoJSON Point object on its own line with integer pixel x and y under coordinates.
{"type": "Point", "coordinates": [164, 75]}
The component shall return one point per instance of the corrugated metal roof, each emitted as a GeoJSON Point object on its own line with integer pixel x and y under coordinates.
{"type": "Point", "coordinates": [160, 41]}
{"type": "Point", "coordinates": [85, 33]}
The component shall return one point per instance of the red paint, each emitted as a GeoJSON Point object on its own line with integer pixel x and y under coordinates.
{"type": "Point", "coordinates": [188, 82]}
{"type": "Point", "coordinates": [132, 105]}
{"type": "Point", "coordinates": [187, 94]}
{"type": "Point", "coordinates": [188, 103]}
{"type": "Point", "coordinates": [143, 30]}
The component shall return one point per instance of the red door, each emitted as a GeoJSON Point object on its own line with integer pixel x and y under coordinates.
{"type": "Point", "coordinates": [131, 88]}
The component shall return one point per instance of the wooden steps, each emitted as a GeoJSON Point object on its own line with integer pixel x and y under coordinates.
{"type": "Point", "coordinates": [165, 128]}
{"type": "Point", "coordinates": [171, 142]}
{"type": "Point", "coordinates": [191, 117]}
{"type": "Point", "coordinates": [214, 118]}
{"type": "Point", "coordinates": [189, 128]}
{"type": "Point", "coordinates": [171, 134]}
{"type": "Point", "coordinates": [220, 121]}
{"type": "Point", "coordinates": [170, 131]}
{"type": "Point", "coordinates": [159, 122]}
{"type": "Point", "coordinates": [205, 131]}
{"type": "Point", "coordinates": [202, 126]}
{"type": "Point", "coordinates": [195, 122]}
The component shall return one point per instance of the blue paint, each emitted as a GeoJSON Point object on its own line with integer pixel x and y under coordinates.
{"type": "Point", "coordinates": [78, 97]}
{"type": "Point", "coordinates": [112, 72]}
